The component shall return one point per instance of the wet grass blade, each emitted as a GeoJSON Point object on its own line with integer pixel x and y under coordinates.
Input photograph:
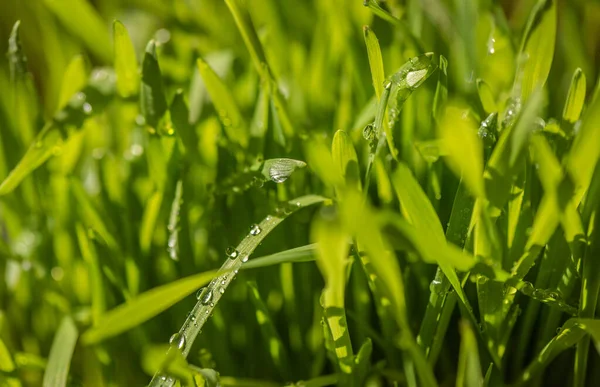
{"type": "Point", "coordinates": [59, 361]}
{"type": "Point", "coordinates": [236, 257]}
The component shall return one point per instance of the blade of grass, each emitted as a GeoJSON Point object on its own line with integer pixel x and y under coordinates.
{"type": "Point", "coordinates": [126, 66]}
{"type": "Point", "coordinates": [211, 295]}
{"type": "Point", "coordinates": [276, 348]}
{"type": "Point", "coordinates": [375, 60]}
{"type": "Point", "coordinates": [59, 360]}
{"type": "Point", "coordinates": [537, 49]}
{"type": "Point", "coordinates": [225, 105]}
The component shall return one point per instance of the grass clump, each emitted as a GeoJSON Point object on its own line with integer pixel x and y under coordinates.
{"type": "Point", "coordinates": [438, 162]}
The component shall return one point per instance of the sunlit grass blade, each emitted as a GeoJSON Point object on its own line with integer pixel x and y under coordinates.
{"type": "Point", "coordinates": [486, 96]}
{"type": "Point", "coordinates": [61, 353]}
{"type": "Point", "coordinates": [375, 60]}
{"type": "Point", "coordinates": [465, 152]}
{"type": "Point", "coordinates": [83, 20]}
{"type": "Point", "coordinates": [225, 105]}
{"type": "Point", "coordinates": [276, 348]}
{"type": "Point", "coordinates": [332, 260]}
{"type": "Point", "coordinates": [345, 158]}
{"type": "Point", "coordinates": [126, 65]}
{"type": "Point", "coordinates": [75, 78]}
{"type": "Point", "coordinates": [570, 333]}
{"type": "Point", "coordinates": [7, 366]}
{"type": "Point", "coordinates": [469, 367]}
{"type": "Point", "coordinates": [537, 48]}
{"type": "Point", "coordinates": [144, 307]}
{"type": "Point", "coordinates": [16, 56]}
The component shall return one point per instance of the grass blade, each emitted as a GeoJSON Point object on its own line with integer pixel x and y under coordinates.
{"type": "Point", "coordinates": [375, 60]}
{"type": "Point", "coordinates": [144, 307]}
{"type": "Point", "coordinates": [211, 295]}
{"type": "Point", "coordinates": [537, 48]}
{"type": "Point", "coordinates": [152, 95]}
{"type": "Point", "coordinates": [126, 66]}
{"type": "Point", "coordinates": [225, 105]}
{"type": "Point", "coordinates": [469, 367]}
{"type": "Point", "coordinates": [61, 352]}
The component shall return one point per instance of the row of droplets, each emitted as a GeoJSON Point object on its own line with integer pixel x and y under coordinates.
{"type": "Point", "coordinates": [205, 295]}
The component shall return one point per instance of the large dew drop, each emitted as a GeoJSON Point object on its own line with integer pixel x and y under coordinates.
{"type": "Point", "coordinates": [255, 230]}
{"type": "Point", "coordinates": [231, 252]}
{"type": "Point", "coordinates": [206, 296]}
{"type": "Point", "coordinates": [177, 340]}
{"type": "Point", "coordinates": [278, 170]}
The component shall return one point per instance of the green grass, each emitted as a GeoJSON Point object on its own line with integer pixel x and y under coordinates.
{"type": "Point", "coordinates": [308, 193]}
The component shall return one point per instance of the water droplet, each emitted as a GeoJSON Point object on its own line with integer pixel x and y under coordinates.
{"type": "Point", "coordinates": [245, 259]}
{"type": "Point", "coordinates": [255, 230]}
{"type": "Point", "coordinates": [206, 296]}
{"type": "Point", "coordinates": [199, 293]}
{"type": "Point", "coordinates": [231, 252]}
{"type": "Point", "coordinates": [369, 132]}
{"type": "Point", "coordinates": [258, 182]}
{"type": "Point", "coordinates": [178, 340]}
{"type": "Point", "coordinates": [87, 108]}
{"type": "Point", "coordinates": [558, 330]}
{"type": "Point", "coordinates": [222, 290]}
{"type": "Point", "coordinates": [280, 169]}
{"type": "Point", "coordinates": [140, 120]}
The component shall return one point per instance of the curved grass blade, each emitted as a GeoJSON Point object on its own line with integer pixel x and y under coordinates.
{"type": "Point", "coordinates": [126, 65]}
{"type": "Point", "coordinates": [537, 49]}
{"type": "Point", "coordinates": [144, 307]}
{"type": "Point", "coordinates": [61, 352]}
{"type": "Point", "coordinates": [570, 333]}
{"type": "Point", "coordinates": [211, 295]}
{"type": "Point", "coordinates": [299, 254]}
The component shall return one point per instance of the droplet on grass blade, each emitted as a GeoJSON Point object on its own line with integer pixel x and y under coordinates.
{"type": "Point", "coordinates": [231, 252]}
{"type": "Point", "coordinates": [255, 230]}
{"type": "Point", "coordinates": [177, 340]}
{"type": "Point", "coordinates": [279, 170]}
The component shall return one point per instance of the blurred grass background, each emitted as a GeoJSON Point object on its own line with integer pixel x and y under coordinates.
{"type": "Point", "coordinates": [98, 189]}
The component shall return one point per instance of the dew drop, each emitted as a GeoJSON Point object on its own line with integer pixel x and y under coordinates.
{"type": "Point", "coordinates": [231, 252]}
{"type": "Point", "coordinates": [199, 293]}
{"type": "Point", "coordinates": [255, 230]}
{"type": "Point", "coordinates": [206, 297]}
{"type": "Point", "coordinates": [177, 340]}
{"type": "Point", "coordinates": [245, 259]}
{"type": "Point", "coordinates": [369, 132]}
{"type": "Point", "coordinates": [87, 108]}
{"type": "Point", "coordinates": [222, 290]}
